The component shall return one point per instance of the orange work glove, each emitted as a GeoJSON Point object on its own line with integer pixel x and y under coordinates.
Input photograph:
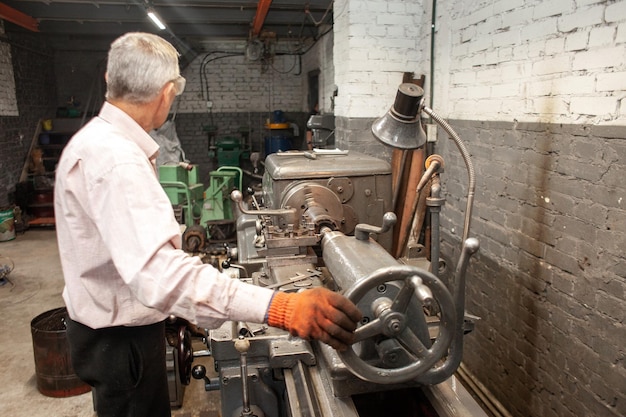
{"type": "Point", "coordinates": [317, 313]}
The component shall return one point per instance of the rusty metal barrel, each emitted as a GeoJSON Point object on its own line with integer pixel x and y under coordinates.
{"type": "Point", "coordinates": [55, 374]}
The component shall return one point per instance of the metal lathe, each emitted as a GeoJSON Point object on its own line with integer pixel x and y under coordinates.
{"type": "Point", "coordinates": [325, 219]}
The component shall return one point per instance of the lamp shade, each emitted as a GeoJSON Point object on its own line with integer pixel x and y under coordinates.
{"type": "Point", "coordinates": [401, 126]}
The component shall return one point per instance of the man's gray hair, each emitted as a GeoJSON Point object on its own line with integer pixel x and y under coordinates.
{"type": "Point", "coordinates": [139, 65]}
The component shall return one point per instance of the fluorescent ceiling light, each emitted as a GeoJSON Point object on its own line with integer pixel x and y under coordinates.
{"type": "Point", "coordinates": [155, 19]}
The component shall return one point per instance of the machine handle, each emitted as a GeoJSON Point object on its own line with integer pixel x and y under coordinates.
{"type": "Point", "coordinates": [237, 197]}
{"type": "Point", "coordinates": [362, 231]}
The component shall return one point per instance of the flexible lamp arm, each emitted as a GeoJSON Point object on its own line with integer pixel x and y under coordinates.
{"type": "Point", "coordinates": [468, 163]}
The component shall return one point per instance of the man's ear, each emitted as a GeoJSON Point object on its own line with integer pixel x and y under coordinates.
{"type": "Point", "coordinates": [167, 95]}
{"type": "Point", "coordinates": [169, 88]}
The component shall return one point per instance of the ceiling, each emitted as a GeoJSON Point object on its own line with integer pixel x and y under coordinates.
{"type": "Point", "coordinates": [93, 24]}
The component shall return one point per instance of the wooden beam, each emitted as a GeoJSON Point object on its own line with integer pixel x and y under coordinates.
{"type": "Point", "coordinates": [407, 181]}
{"type": "Point", "coordinates": [19, 18]}
{"type": "Point", "coordinates": [259, 18]}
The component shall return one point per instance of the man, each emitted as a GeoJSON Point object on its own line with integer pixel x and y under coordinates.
{"type": "Point", "coordinates": [119, 245]}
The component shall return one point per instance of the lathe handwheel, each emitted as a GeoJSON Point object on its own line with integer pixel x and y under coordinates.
{"type": "Point", "coordinates": [185, 354]}
{"type": "Point", "coordinates": [392, 323]}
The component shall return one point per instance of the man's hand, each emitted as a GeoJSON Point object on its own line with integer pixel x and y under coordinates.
{"type": "Point", "coordinates": [316, 314]}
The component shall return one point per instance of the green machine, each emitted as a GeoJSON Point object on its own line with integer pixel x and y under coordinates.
{"type": "Point", "coordinates": [185, 191]}
{"type": "Point", "coordinates": [230, 151]}
{"type": "Point", "coordinates": [206, 213]}
{"type": "Point", "coordinates": [217, 209]}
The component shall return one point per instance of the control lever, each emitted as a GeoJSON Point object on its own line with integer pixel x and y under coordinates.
{"type": "Point", "coordinates": [237, 197]}
{"type": "Point", "coordinates": [242, 345]}
{"type": "Point", "coordinates": [210, 384]}
{"type": "Point", "coordinates": [229, 258]}
{"type": "Point", "coordinates": [250, 192]}
{"type": "Point", "coordinates": [362, 231]}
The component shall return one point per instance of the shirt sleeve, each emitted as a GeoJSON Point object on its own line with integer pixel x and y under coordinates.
{"type": "Point", "coordinates": [136, 221]}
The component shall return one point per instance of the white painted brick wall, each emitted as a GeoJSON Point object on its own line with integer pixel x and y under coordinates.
{"type": "Point", "coordinates": [615, 12]}
{"type": "Point", "coordinates": [611, 81]}
{"type": "Point", "coordinates": [236, 84]}
{"type": "Point", "coordinates": [524, 60]}
{"type": "Point", "coordinates": [382, 40]}
{"type": "Point", "coordinates": [8, 102]}
{"type": "Point", "coordinates": [568, 59]}
{"type": "Point", "coordinates": [576, 41]}
{"type": "Point", "coordinates": [585, 17]}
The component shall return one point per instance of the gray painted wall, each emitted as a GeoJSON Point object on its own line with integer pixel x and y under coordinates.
{"type": "Point", "coordinates": [549, 281]}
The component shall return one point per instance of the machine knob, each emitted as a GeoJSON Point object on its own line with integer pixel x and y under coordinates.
{"type": "Point", "coordinates": [242, 344]}
{"type": "Point", "coordinates": [198, 372]}
{"type": "Point", "coordinates": [236, 196]}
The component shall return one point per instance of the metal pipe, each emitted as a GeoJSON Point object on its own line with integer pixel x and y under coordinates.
{"type": "Point", "coordinates": [433, 19]}
{"type": "Point", "coordinates": [468, 163]}
{"type": "Point", "coordinates": [18, 18]}
{"type": "Point", "coordinates": [259, 18]}
{"type": "Point", "coordinates": [435, 202]}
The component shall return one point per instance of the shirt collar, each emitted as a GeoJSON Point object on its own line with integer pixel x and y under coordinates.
{"type": "Point", "coordinates": [130, 128]}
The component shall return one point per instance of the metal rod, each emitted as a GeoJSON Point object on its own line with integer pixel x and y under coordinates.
{"type": "Point", "coordinates": [242, 345]}
{"type": "Point", "coordinates": [435, 210]}
{"type": "Point", "coordinates": [237, 197]}
{"type": "Point", "coordinates": [244, 384]}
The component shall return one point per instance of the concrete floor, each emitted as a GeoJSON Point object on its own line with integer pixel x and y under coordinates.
{"type": "Point", "coordinates": [34, 288]}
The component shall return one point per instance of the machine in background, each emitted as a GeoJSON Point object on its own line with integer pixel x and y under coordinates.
{"type": "Point", "coordinates": [325, 221]}
{"type": "Point", "coordinates": [323, 128]}
{"type": "Point", "coordinates": [207, 213]}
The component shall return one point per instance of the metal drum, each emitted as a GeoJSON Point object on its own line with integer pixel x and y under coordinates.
{"type": "Point", "coordinates": [55, 374]}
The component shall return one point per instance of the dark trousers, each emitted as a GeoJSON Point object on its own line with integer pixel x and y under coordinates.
{"type": "Point", "coordinates": [125, 366]}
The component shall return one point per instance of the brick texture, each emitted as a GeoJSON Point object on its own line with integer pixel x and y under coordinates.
{"type": "Point", "coordinates": [231, 83]}
{"type": "Point", "coordinates": [574, 42]}
{"type": "Point", "coordinates": [32, 64]}
{"type": "Point", "coordinates": [375, 42]}
{"type": "Point", "coordinates": [548, 282]}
